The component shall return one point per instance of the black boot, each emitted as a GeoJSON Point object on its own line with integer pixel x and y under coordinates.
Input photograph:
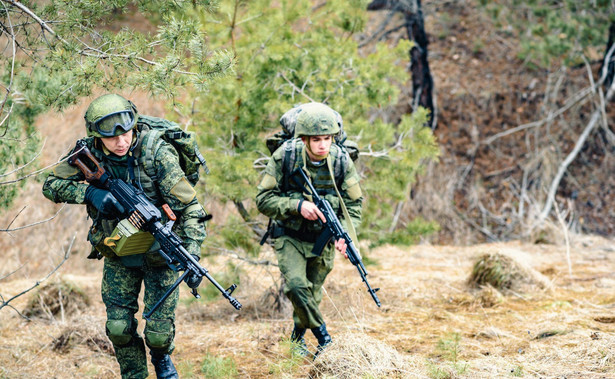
{"type": "Point", "coordinates": [323, 337]}
{"type": "Point", "coordinates": [298, 338]}
{"type": "Point", "coordinates": [164, 367]}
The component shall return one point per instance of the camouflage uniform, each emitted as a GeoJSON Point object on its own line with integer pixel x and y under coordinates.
{"type": "Point", "coordinates": [278, 197]}
{"type": "Point", "coordinates": [122, 276]}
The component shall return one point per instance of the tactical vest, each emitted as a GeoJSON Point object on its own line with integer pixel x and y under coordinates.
{"type": "Point", "coordinates": [321, 180]}
{"type": "Point", "coordinates": [292, 159]}
{"type": "Point", "coordinates": [143, 176]}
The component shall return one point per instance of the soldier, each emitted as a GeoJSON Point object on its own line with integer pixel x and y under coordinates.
{"type": "Point", "coordinates": [298, 222]}
{"type": "Point", "coordinates": [123, 142]}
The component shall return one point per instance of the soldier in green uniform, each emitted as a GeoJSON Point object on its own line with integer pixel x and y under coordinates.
{"type": "Point", "coordinates": [118, 138]}
{"type": "Point", "coordinates": [298, 222]}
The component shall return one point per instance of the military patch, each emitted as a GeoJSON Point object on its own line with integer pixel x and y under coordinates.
{"type": "Point", "coordinates": [354, 191]}
{"type": "Point", "coordinates": [183, 191]}
{"type": "Point", "coordinates": [64, 170]}
{"type": "Point", "coordinates": [268, 182]}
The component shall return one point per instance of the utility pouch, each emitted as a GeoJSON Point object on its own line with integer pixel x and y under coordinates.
{"type": "Point", "coordinates": [126, 239]}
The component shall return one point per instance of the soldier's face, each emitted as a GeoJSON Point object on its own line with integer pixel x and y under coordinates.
{"type": "Point", "coordinates": [118, 145]}
{"type": "Point", "coordinates": [318, 146]}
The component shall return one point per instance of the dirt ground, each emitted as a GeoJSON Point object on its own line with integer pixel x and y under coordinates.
{"type": "Point", "coordinates": [439, 326]}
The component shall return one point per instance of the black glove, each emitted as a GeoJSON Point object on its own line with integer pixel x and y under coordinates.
{"type": "Point", "coordinates": [103, 201]}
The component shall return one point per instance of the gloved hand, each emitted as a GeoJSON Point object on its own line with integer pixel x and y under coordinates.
{"type": "Point", "coordinates": [103, 201]}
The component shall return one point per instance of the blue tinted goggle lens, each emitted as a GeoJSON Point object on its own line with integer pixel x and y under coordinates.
{"type": "Point", "coordinates": [108, 125]}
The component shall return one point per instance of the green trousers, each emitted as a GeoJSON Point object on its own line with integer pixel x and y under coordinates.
{"type": "Point", "coordinates": [305, 274]}
{"type": "Point", "coordinates": [120, 292]}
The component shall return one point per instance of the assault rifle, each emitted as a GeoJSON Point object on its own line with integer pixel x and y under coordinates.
{"type": "Point", "coordinates": [333, 229]}
{"type": "Point", "coordinates": [145, 216]}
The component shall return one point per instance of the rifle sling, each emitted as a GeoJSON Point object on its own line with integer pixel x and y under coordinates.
{"type": "Point", "coordinates": [351, 230]}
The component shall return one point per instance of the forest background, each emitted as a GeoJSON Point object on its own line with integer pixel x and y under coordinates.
{"type": "Point", "coordinates": [514, 145]}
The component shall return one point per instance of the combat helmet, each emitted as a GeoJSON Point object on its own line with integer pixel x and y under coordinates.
{"type": "Point", "coordinates": [109, 116]}
{"type": "Point", "coordinates": [316, 119]}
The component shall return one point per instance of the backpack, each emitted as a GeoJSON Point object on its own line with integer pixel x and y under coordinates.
{"type": "Point", "coordinates": [190, 158]}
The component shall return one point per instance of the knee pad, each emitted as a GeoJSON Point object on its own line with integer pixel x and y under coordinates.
{"type": "Point", "coordinates": [159, 334]}
{"type": "Point", "coordinates": [120, 332]}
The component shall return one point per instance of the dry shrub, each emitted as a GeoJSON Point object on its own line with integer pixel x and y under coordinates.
{"type": "Point", "coordinates": [85, 332]}
{"type": "Point", "coordinates": [57, 298]}
{"type": "Point", "coordinates": [359, 356]}
{"type": "Point", "coordinates": [504, 272]}
{"type": "Point", "coordinates": [488, 297]}
{"type": "Point", "coordinates": [272, 303]}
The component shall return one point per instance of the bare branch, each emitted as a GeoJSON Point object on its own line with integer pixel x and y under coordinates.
{"type": "Point", "coordinates": [581, 95]}
{"type": "Point", "coordinates": [8, 87]}
{"type": "Point", "coordinates": [8, 229]}
{"type": "Point", "coordinates": [39, 171]}
{"type": "Point", "coordinates": [26, 164]}
{"type": "Point", "coordinates": [295, 88]}
{"type": "Point", "coordinates": [596, 116]}
{"type": "Point", "coordinates": [232, 254]}
{"type": "Point", "coordinates": [5, 303]}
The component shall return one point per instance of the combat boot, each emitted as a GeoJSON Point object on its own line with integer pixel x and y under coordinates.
{"type": "Point", "coordinates": [298, 338]}
{"type": "Point", "coordinates": [323, 337]}
{"type": "Point", "coordinates": [164, 367]}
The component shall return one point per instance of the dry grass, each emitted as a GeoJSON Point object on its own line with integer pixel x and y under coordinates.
{"type": "Point", "coordinates": [431, 325]}
{"type": "Point", "coordinates": [355, 355]}
{"type": "Point", "coordinates": [503, 271]}
{"type": "Point", "coordinates": [83, 331]}
{"type": "Point", "coordinates": [59, 298]}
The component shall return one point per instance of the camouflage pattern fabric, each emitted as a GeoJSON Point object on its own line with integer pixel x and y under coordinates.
{"type": "Point", "coordinates": [120, 292]}
{"type": "Point", "coordinates": [289, 119]}
{"type": "Point", "coordinates": [316, 119]}
{"type": "Point", "coordinates": [305, 275]}
{"type": "Point", "coordinates": [305, 272]}
{"type": "Point", "coordinates": [122, 278]}
{"type": "Point", "coordinates": [66, 184]}
{"type": "Point", "coordinates": [281, 205]}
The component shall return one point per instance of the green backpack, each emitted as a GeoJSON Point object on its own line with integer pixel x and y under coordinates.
{"type": "Point", "coordinates": [190, 158]}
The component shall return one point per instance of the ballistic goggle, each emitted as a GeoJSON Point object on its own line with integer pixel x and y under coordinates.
{"type": "Point", "coordinates": [107, 126]}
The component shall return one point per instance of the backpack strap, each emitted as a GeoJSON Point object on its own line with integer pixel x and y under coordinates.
{"type": "Point", "coordinates": [340, 165]}
{"type": "Point", "coordinates": [288, 161]}
{"type": "Point", "coordinates": [149, 145]}
{"type": "Point", "coordinates": [349, 226]}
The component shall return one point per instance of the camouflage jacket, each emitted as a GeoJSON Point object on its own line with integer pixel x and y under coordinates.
{"type": "Point", "coordinates": [280, 203]}
{"type": "Point", "coordinates": [65, 184]}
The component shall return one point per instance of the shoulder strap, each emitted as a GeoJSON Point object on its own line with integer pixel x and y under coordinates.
{"type": "Point", "coordinates": [339, 166]}
{"type": "Point", "coordinates": [149, 146]}
{"type": "Point", "coordinates": [288, 161]}
{"type": "Point", "coordinates": [351, 230]}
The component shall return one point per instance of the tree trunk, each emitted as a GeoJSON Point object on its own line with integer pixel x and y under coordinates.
{"type": "Point", "coordinates": [422, 82]}
{"type": "Point", "coordinates": [608, 63]}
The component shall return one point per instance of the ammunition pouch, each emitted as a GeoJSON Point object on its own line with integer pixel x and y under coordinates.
{"type": "Point", "coordinates": [126, 239]}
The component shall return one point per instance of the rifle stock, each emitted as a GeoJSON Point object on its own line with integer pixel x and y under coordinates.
{"type": "Point", "coordinates": [333, 229]}
{"type": "Point", "coordinates": [145, 216]}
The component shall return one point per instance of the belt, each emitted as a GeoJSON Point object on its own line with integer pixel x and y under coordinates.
{"type": "Point", "coordinates": [301, 236]}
